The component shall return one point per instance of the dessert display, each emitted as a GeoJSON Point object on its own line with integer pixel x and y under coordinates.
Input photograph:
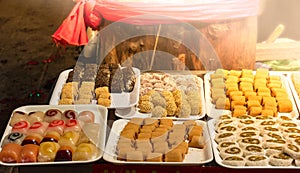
{"type": "Point", "coordinates": [265, 142]}
{"type": "Point", "coordinates": [148, 141]}
{"type": "Point", "coordinates": [59, 136]}
{"type": "Point", "coordinates": [88, 84]}
{"type": "Point", "coordinates": [248, 92]}
{"type": "Point", "coordinates": [166, 95]}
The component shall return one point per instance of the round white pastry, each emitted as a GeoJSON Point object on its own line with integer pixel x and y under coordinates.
{"type": "Point", "coordinates": [226, 144]}
{"type": "Point", "coordinates": [249, 141]}
{"type": "Point", "coordinates": [234, 161]}
{"type": "Point", "coordinates": [256, 160]}
{"type": "Point", "coordinates": [227, 136]}
{"type": "Point", "coordinates": [231, 151]}
{"type": "Point", "coordinates": [253, 150]}
{"type": "Point", "coordinates": [292, 150]}
{"type": "Point", "coordinates": [280, 159]}
{"type": "Point", "coordinates": [274, 150]}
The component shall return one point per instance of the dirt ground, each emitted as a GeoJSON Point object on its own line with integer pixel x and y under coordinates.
{"type": "Point", "coordinates": [26, 45]}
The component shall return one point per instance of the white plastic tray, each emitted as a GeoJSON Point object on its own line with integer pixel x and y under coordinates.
{"type": "Point", "coordinates": [194, 156]}
{"type": "Point", "coordinates": [100, 117]}
{"type": "Point", "coordinates": [132, 112]}
{"type": "Point", "coordinates": [214, 113]}
{"type": "Point", "coordinates": [118, 100]}
{"type": "Point", "coordinates": [218, 159]}
{"type": "Point", "coordinates": [295, 94]}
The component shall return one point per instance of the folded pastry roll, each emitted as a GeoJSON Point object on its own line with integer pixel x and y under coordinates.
{"type": "Point", "coordinates": [247, 94]}
{"type": "Point", "coordinates": [21, 127]}
{"type": "Point", "coordinates": [256, 160]}
{"type": "Point", "coordinates": [10, 153]}
{"type": "Point", "coordinates": [35, 116]}
{"type": "Point", "coordinates": [273, 142]}
{"type": "Point", "coordinates": [249, 141]}
{"type": "Point", "coordinates": [29, 153]}
{"type": "Point", "coordinates": [234, 161]}
{"type": "Point", "coordinates": [52, 114]}
{"type": "Point", "coordinates": [227, 136]}
{"type": "Point", "coordinates": [47, 151]}
{"type": "Point", "coordinates": [56, 125]}
{"type": "Point", "coordinates": [154, 157]}
{"type": "Point", "coordinates": [135, 156]}
{"type": "Point", "coordinates": [14, 137]}
{"type": "Point", "coordinates": [18, 116]}
{"type": "Point", "coordinates": [226, 144]}
{"type": "Point", "coordinates": [239, 110]}
{"type": "Point", "coordinates": [33, 138]}
{"type": "Point", "coordinates": [51, 136]}
{"type": "Point", "coordinates": [285, 106]}
{"type": "Point", "coordinates": [38, 127]}
{"type": "Point", "coordinates": [255, 97]}
{"type": "Point", "coordinates": [255, 111]}
{"type": "Point", "coordinates": [227, 128]}
{"type": "Point", "coordinates": [231, 151]}
{"type": "Point", "coordinates": [223, 103]}
{"type": "Point", "coordinates": [174, 155]}
{"type": "Point", "coordinates": [85, 151]}
{"type": "Point", "coordinates": [69, 138]}
{"type": "Point", "coordinates": [273, 150]}
{"type": "Point", "coordinates": [253, 150]}
{"type": "Point", "coordinates": [292, 150]}
{"type": "Point", "coordinates": [281, 159]}
{"type": "Point", "coordinates": [197, 142]}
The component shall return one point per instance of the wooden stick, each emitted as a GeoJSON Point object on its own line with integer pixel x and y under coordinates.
{"type": "Point", "coordinates": [275, 34]}
{"type": "Point", "coordinates": [155, 46]}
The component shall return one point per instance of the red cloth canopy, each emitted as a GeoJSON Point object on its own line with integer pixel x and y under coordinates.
{"type": "Point", "coordinates": [90, 13]}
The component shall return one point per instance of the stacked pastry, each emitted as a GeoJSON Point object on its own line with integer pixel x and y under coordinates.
{"type": "Point", "coordinates": [244, 92]}
{"type": "Point", "coordinates": [80, 84]}
{"type": "Point", "coordinates": [258, 141]}
{"type": "Point", "coordinates": [158, 140]}
{"type": "Point", "coordinates": [48, 136]}
{"type": "Point", "coordinates": [87, 83]}
{"type": "Point", "coordinates": [170, 95]}
{"type": "Point", "coordinates": [117, 79]}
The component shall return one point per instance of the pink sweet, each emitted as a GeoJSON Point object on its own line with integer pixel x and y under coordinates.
{"type": "Point", "coordinates": [21, 127]}
{"type": "Point", "coordinates": [56, 125]}
{"type": "Point", "coordinates": [38, 127]}
{"type": "Point", "coordinates": [72, 125]}
{"type": "Point", "coordinates": [69, 114]}
{"type": "Point", "coordinates": [86, 116]}
{"type": "Point", "coordinates": [52, 114]}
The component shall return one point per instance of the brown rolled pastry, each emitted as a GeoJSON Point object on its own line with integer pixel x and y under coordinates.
{"type": "Point", "coordinates": [10, 153]}
{"type": "Point", "coordinates": [29, 153]}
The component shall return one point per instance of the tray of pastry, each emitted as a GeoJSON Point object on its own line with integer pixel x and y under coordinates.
{"type": "Point", "coordinates": [162, 94]}
{"type": "Point", "coordinates": [54, 134]}
{"type": "Point", "coordinates": [109, 86]}
{"type": "Point", "coordinates": [158, 141]}
{"type": "Point", "coordinates": [247, 142]}
{"type": "Point", "coordinates": [259, 92]}
{"type": "Point", "coordinates": [293, 79]}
